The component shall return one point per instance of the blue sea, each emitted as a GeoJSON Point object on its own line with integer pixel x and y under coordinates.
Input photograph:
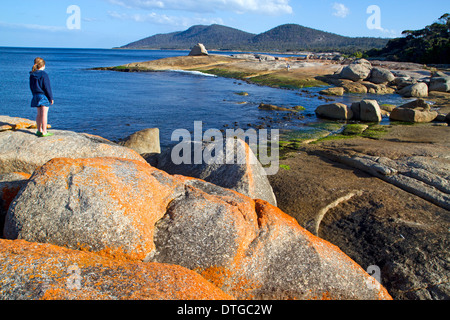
{"type": "Point", "coordinates": [117, 104]}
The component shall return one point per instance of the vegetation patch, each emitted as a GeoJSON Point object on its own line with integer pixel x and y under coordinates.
{"type": "Point", "coordinates": [126, 69]}
{"type": "Point", "coordinates": [375, 132]}
{"type": "Point", "coordinates": [354, 129]}
{"type": "Point", "coordinates": [283, 82]}
{"type": "Point", "coordinates": [428, 45]}
{"type": "Point", "coordinates": [357, 130]}
{"type": "Point", "coordinates": [304, 135]}
{"type": "Point", "coordinates": [327, 125]}
{"type": "Point", "coordinates": [333, 137]}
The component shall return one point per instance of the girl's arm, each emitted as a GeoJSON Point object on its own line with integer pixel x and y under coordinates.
{"type": "Point", "coordinates": [48, 88]}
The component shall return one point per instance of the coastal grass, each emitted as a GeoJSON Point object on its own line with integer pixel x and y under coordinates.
{"type": "Point", "coordinates": [284, 82]}
{"type": "Point", "coordinates": [351, 131]}
{"type": "Point", "coordinates": [127, 69]}
{"type": "Point", "coordinates": [375, 132]}
{"type": "Point", "coordinates": [333, 137]}
{"type": "Point", "coordinates": [326, 125]}
{"type": "Point", "coordinates": [320, 132]}
{"type": "Point", "coordinates": [354, 129]}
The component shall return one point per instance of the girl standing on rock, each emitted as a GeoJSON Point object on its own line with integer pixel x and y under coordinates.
{"type": "Point", "coordinates": [42, 96]}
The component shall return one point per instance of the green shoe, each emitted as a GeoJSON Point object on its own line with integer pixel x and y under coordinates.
{"type": "Point", "coordinates": [48, 134]}
{"type": "Point", "coordinates": [39, 134]}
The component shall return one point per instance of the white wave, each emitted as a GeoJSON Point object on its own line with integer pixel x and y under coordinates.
{"type": "Point", "coordinates": [198, 73]}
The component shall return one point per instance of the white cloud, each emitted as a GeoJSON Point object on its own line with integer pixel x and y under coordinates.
{"type": "Point", "coordinates": [340, 10]}
{"type": "Point", "coordinates": [164, 19]}
{"type": "Point", "coordinates": [272, 7]}
{"type": "Point", "coordinates": [33, 27]}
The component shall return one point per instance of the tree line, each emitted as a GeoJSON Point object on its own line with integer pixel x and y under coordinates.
{"type": "Point", "coordinates": [430, 45]}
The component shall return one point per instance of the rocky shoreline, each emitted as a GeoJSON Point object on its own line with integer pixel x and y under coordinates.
{"type": "Point", "coordinates": [89, 219]}
{"type": "Point", "coordinates": [340, 77]}
{"type": "Point", "coordinates": [383, 201]}
{"type": "Point", "coordinates": [329, 188]}
{"type": "Point", "coordinates": [356, 197]}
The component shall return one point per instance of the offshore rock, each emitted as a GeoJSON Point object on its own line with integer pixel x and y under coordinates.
{"type": "Point", "coordinates": [335, 91]}
{"type": "Point", "coordinates": [338, 111]}
{"type": "Point", "coordinates": [367, 110]}
{"type": "Point", "coordinates": [265, 106]}
{"type": "Point", "coordinates": [144, 141]}
{"type": "Point", "coordinates": [441, 84]}
{"type": "Point", "coordinates": [377, 88]}
{"type": "Point", "coordinates": [414, 111]}
{"type": "Point", "coordinates": [354, 87]}
{"type": "Point", "coordinates": [198, 50]}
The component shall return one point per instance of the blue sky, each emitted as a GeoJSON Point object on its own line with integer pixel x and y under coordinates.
{"type": "Point", "coordinates": [111, 23]}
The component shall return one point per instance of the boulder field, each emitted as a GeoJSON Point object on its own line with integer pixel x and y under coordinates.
{"type": "Point", "coordinates": [360, 76]}
{"type": "Point", "coordinates": [417, 111]}
{"type": "Point", "coordinates": [111, 226]}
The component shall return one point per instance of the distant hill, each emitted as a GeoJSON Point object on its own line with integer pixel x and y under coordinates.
{"type": "Point", "coordinates": [288, 37]}
{"type": "Point", "coordinates": [294, 37]}
{"type": "Point", "coordinates": [213, 36]}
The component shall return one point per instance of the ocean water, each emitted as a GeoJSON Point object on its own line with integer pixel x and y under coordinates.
{"type": "Point", "coordinates": [116, 104]}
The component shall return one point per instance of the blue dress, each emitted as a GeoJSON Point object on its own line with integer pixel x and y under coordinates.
{"type": "Point", "coordinates": [41, 89]}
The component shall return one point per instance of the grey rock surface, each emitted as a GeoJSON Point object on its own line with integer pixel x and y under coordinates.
{"type": "Point", "coordinates": [230, 164]}
{"type": "Point", "coordinates": [23, 151]}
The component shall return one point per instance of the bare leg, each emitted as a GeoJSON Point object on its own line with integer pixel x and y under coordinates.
{"type": "Point", "coordinates": [38, 120]}
{"type": "Point", "coordinates": [44, 119]}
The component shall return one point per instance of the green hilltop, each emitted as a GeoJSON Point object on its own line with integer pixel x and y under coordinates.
{"type": "Point", "coordinates": [288, 37]}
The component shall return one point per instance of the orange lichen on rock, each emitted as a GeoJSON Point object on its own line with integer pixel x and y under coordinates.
{"type": "Point", "coordinates": [110, 204]}
{"type": "Point", "coordinates": [327, 253]}
{"type": "Point", "coordinates": [21, 125]}
{"type": "Point", "coordinates": [128, 210]}
{"type": "Point", "coordinates": [5, 127]}
{"type": "Point", "coordinates": [48, 272]}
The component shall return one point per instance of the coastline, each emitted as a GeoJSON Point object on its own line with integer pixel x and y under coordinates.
{"type": "Point", "coordinates": [380, 194]}
{"type": "Point", "coordinates": [370, 198]}
{"type": "Point", "coordinates": [301, 74]}
{"type": "Point", "coordinates": [250, 70]}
